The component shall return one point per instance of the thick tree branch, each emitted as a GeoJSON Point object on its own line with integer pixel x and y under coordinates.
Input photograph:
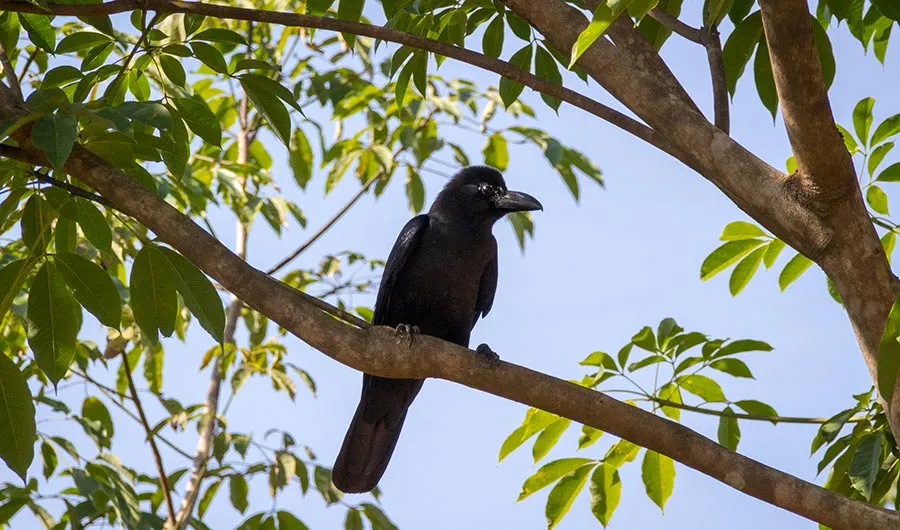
{"type": "Point", "coordinates": [375, 351]}
{"type": "Point", "coordinates": [855, 260]}
{"type": "Point", "coordinates": [163, 478]}
{"type": "Point", "coordinates": [762, 191]}
{"type": "Point", "coordinates": [479, 60]}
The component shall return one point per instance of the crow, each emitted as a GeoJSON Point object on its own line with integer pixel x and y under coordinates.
{"type": "Point", "coordinates": [439, 278]}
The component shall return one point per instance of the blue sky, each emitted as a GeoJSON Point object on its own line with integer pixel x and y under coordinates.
{"type": "Point", "coordinates": [596, 272]}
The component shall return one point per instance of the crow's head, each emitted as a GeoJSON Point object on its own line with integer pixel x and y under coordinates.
{"type": "Point", "coordinates": [479, 193]}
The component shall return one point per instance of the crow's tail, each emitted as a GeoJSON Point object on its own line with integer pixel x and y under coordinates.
{"type": "Point", "coordinates": [373, 433]}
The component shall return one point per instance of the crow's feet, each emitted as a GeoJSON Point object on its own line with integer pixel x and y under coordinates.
{"type": "Point", "coordinates": [486, 354]}
{"type": "Point", "coordinates": [405, 333]}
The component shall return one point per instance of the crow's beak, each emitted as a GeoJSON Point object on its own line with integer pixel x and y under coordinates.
{"type": "Point", "coordinates": [515, 201]}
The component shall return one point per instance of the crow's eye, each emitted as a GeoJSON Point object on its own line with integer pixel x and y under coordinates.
{"type": "Point", "coordinates": [486, 189]}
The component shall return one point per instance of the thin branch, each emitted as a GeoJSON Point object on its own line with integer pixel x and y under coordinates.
{"type": "Point", "coordinates": [10, 73]}
{"type": "Point", "coordinates": [671, 22]}
{"type": "Point", "coordinates": [163, 478]}
{"type": "Point", "coordinates": [321, 232]}
{"type": "Point", "coordinates": [383, 33]}
{"type": "Point", "coordinates": [74, 190]}
{"type": "Point", "coordinates": [713, 44]}
{"type": "Point", "coordinates": [25, 67]}
{"type": "Point", "coordinates": [754, 417]}
{"type": "Point", "coordinates": [137, 46]}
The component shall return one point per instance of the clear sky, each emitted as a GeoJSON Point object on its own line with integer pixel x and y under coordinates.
{"type": "Point", "coordinates": [597, 271]}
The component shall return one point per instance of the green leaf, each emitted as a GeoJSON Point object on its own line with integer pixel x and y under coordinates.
{"type": "Point", "coordinates": [888, 356]}
{"type": "Point", "coordinates": [886, 129]}
{"type": "Point", "coordinates": [495, 151]}
{"type": "Point", "coordinates": [65, 235]}
{"type": "Point", "coordinates": [877, 156]}
{"type": "Point", "coordinates": [55, 136]}
{"type": "Point", "coordinates": [80, 40]}
{"type": "Point", "coordinates": [865, 464]}
{"type": "Point", "coordinates": [535, 421]}
{"type": "Point", "coordinates": [269, 106]}
{"type": "Point", "coordinates": [548, 438]}
{"type": "Point", "coordinates": [353, 521]}
{"type": "Point", "coordinates": [545, 67]}
{"type": "Point", "coordinates": [773, 249]}
{"type": "Point", "coordinates": [606, 490]}
{"type": "Point", "coordinates": [402, 84]}
{"type": "Point", "coordinates": [862, 119]}
{"type": "Point", "coordinates": [765, 79]}
{"type": "Point", "coordinates": [238, 490]}
{"type": "Point", "coordinates": [621, 452]}
{"type": "Point", "coordinates": [739, 230]}
{"type": "Point", "coordinates": [599, 358]}
{"type": "Point", "coordinates": [61, 76]}
{"type": "Point", "coordinates": [93, 224]}
{"type": "Point", "coordinates": [888, 8]}
{"type": "Point", "coordinates": [722, 257]}
{"type": "Point", "coordinates": [509, 89]}
{"type": "Point", "coordinates": [415, 190]}
{"type": "Point", "coordinates": [877, 199]}
{"type": "Point", "coordinates": [207, 498]}
{"type": "Point", "coordinates": [173, 69]}
{"type": "Point", "coordinates": [287, 520]}
{"type": "Point", "coordinates": [492, 40]}
{"type": "Point", "coordinates": [300, 158]}
{"type": "Point", "coordinates": [153, 298]}
{"type": "Point", "coordinates": [139, 85]}
{"type": "Point", "coordinates": [739, 47]}
{"type": "Point", "coordinates": [793, 270]}
{"type": "Point", "coordinates": [220, 35]}
{"type": "Point", "coordinates": [12, 277]}
{"type": "Point", "coordinates": [37, 218]}
{"type": "Point", "coordinates": [824, 51]}
{"type": "Point", "coordinates": [377, 517]}
{"type": "Point", "coordinates": [701, 386]}
{"type": "Point", "coordinates": [210, 56]}
{"type": "Point", "coordinates": [752, 406]}
{"type": "Point", "coordinates": [48, 457]}
{"type": "Point", "coordinates": [605, 14]}
{"type": "Point", "coordinates": [198, 293]}
{"type": "Point", "coordinates": [93, 409]}
{"type": "Point", "coordinates": [890, 173]}
{"type": "Point", "coordinates": [350, 10]}
{"type": "Point", "coordinates": [658, 474]}
{"type": "Point", "coordinates": [729, 432]}
{"type": "Point", "coordinates": [200, 119]}
{"type": "Point", "coordinates": [17, 426]}
{"type": "Point", "coordinates": [563, 494]}
{"type": "Point", "coordinates": [588, 436]}
{"type": "Point", "coordinates": [745, 270]}
{"type": "Point", "coordinates": [741, 346]}
{"type": "Point", "coordinates": [39, 30]}
{"type": "Point", "coordinates": [550, 473]}
{"type": "Point", "coordinates": [735, 367]}
{"type": "Point", "coordinates": [93, 288]}
{"type": "Point", "coordinates": [52, 322]}
{"type": "Point", "coordinates": [671, 392]}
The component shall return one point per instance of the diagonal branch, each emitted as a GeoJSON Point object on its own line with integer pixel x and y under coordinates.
{"type": "Point", "coordinates": [713, 45]}
{"type": "Point", "coordinates": [375, 351]}
{"type": "Point", "coordinates": [854, 260]}
{"type": "Point", "coordinates": [9, 72]}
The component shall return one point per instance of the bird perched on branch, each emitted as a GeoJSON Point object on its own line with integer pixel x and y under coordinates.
{"type": "Point", "coordinates": [439, 279]}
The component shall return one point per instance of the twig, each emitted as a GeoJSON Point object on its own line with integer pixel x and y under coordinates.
{"type": "Point", "coordinates": [213, 392]}
{"type": "Point", "coordinates": [670, 22]}
{"type": "Point", "coordinates": [476, 59]}
{"type": "Point", "coordinates": [713, 44]}
{"type": "Point", "coordinates": [319, 233]}
{"type": "Point", "coordinates": [10, 74]}
{"type": "Point", "coordinates": [140, 42]}
{"type": "Point", "coordinates": [109, 393]}
{"type": "Point", "coordinates": [18, 154]}
{"type": "Point", "coordinates": [163, 478]}
{"type": "Point", "coordinates": [743, 416]}
{"type": "Point", "coordinates": [26, 67]}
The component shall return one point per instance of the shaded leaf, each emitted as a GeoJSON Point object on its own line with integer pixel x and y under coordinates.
{"type": "Point", "coordinates": [17, 426]}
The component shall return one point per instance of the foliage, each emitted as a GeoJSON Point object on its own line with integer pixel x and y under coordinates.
{"type": "Point", "coordinates": [199, 111]}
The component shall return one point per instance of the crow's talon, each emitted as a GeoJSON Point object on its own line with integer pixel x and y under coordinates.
{"type": "Point", "coordinates": [405, 332]}
{"type": "Point", "coordinates": [488, 355]}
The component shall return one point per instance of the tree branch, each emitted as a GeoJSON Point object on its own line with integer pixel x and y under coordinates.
{"type": "Point", "coordinates": [10, 73]}
{"type": "Point", "coordinates": [634, 79]}
{"type": "Point", "coordinates": [163, 478]}
{"type": "Point", "coordinates": [375, 351]}
{"type": "Point", "coordinates": [671, 22]}
{"type": "Point", "coordinates": [713, 45]}
{"type": "Point", "coordinates": [854, 260]}
{"type": "Point", "coordinates": [743, 416]}
{"type": "Point", "coordinates": [479, 60]}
